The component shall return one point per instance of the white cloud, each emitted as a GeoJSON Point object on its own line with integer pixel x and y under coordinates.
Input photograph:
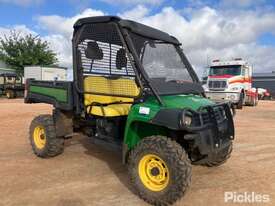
{"type": "Point", "coordinates": [137, 13]}
{"type": "Point", "coordinates": [62, 46]}
{"type": "Point", "coordinates": [207, 32]}
{"type": "Point", "coordinates": [22, 2]}
{"type": "Point", "coordinates": [55, 24]}
{"type": "Point", "coordinates": [60, 31]}
{"type": "Point", "coordinates": [133, 2]}
{"type": "Point", "coordinates": [212, 33]}
{"type": "Point", "coordinates": [241, 3]}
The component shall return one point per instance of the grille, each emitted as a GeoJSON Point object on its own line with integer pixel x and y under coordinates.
{"type": "Point", "coordinates": [217, 84]}
{"type": "Point", "coordinates": [206, 119]}
{"type": "Point", "coordinates": [219, 115]}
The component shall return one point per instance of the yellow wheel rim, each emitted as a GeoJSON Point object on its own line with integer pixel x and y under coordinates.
{"type": "Point", "coordinates": [153, 172]}
{"type": "Point", "coordinates": [39, 137]}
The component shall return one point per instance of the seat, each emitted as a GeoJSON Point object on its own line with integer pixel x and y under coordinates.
{"type": "Point", "coordinates": [108, 96]}
{"type": "Point", "coordinates": [107, 105]}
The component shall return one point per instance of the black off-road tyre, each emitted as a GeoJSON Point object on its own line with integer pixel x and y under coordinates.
{"type": "Point", "coordinates": [10, 94]}
{"type": "Point", "coordinates": [221, 157]}
{"type": "Point", "coordinates": [178, 164]}
{"type": "Point", "coordinates": [54, 145]}
{"type": "Point", "coordinates": [240, 103]}
{"type": "Point", "coordinates": [256, 101]}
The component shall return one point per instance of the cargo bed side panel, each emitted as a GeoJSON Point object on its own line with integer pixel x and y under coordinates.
{"type": "Point", "coordinates": [57, 93]}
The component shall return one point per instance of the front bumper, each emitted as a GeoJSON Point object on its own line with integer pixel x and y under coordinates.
{"type": "Point", "coordinates": [221, 95]}
{"type": "Point", "coordinates": [215, 133]}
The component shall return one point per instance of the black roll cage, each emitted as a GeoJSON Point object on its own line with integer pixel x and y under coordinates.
{"type": "Point", "coordinates": [127, 42]}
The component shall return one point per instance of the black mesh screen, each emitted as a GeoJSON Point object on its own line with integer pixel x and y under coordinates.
{"type": "Point", "coordinates": [101, 51]}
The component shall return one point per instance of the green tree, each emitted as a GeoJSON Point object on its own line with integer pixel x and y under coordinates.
{"type": "Point", "coordinates": [18, 50]}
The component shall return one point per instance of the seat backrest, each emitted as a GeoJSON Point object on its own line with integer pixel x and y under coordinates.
{"type": "Point", "coordinates": [93, 51]}
{"type": "Point", "coordinates": [121, 59]}
{"type": "Point", "coordinates": [105, 90]}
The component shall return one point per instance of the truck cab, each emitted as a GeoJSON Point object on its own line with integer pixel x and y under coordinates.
{"type": "Point", "coordinates": [231, 81]}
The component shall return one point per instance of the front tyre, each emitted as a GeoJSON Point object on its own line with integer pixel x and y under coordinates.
{"type": "Point", "coordinates": [43, 138]}
{"type": "Point", "coordinates": [159, 170]}
{"type": "Point", "coordinates": [241, 101]}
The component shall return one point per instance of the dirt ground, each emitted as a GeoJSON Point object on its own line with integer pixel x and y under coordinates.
{"type": "Point", "coordinates": [86, 174]}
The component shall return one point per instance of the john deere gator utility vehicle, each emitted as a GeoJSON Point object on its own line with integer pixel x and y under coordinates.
{"type": "Point", "coordinates": [11, 85]}
{"type": "Point", "coordinates": [134, 90]}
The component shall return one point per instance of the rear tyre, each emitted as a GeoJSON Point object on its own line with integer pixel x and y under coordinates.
{"type": "Point", "coordinates": [43, 137]}
{"type": "Point", "coordinates": [240, 103]}
{"type": "Point", "coordinates": [159, 170]}
{"type": "Point", "coordinates": [221, 157]}
{"type": "Point", "coordinates": [10, 94]}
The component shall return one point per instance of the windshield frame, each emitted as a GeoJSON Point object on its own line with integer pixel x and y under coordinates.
{"type": "Point", "coordinates": [131, 51]}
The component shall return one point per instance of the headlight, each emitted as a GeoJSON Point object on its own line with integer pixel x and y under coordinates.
{"type": "Point", "coordinates": [232, 97]}
{"type": "Point", "coordinates": [186, 119]}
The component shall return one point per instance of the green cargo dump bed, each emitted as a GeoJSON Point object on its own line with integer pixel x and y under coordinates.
{"type": "Point", "coordinates": [57, 93]}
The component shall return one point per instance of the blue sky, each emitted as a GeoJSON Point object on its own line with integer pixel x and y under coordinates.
{"type": "Point", "coordinates": [208, 29]}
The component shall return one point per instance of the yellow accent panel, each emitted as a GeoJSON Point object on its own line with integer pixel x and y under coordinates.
{"type": "Point", "coordinates": [90, 98]}
{"type": "Point", "coordinates": [117, 87]}
{"type": "Point", "coordinates": [153, 172]}
{"type": "Point", "coordinates": [112, 110]}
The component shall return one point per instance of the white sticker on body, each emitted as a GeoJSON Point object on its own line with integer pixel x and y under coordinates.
{"type": "Point", "coordinates": [144, 110]}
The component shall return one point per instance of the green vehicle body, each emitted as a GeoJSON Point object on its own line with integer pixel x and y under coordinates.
{"type": "Point", "coordinates": [158, 116]}
{"type": "Point", "coordinates": [64, 96]}
{"type": "Point", "coordinates": [139, 125]}
{"type": "Point", "coordinates": [60, 95]}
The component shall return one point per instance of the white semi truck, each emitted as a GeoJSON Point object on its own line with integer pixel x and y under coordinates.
{"type": "Point", "coordinates": [231, 81]}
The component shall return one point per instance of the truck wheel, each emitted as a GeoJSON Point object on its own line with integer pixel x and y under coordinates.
{"type": "Point", "coordinates": [221, 157]}
{"type": "Point", "coordinates": [159, 170]}
{"type": "Point", "coordinates": [255, 103]}
{"type": "Point", "coordinates": [10, 94]}
{"type": "Point", "coordinates": [43, 137]}
{"type": "Point", "coordinates": [240, 103]}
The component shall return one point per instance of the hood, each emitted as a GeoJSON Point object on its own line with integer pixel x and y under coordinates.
{"type": "Point", "coordinates": [182, 101]}
{"type": "Point", "coordinates": [186, 101]}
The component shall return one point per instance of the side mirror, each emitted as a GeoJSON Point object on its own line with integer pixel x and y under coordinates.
{"type": "Point", "coordinates": [93, 51]}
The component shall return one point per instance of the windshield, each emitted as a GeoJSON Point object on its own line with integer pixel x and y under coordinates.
{"type": "Point", "coordinates": [162, 61]}
{"type": "Point", "coordinates": [164, 66]}
{"type": "Point", "coordinates": [225, 70]}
